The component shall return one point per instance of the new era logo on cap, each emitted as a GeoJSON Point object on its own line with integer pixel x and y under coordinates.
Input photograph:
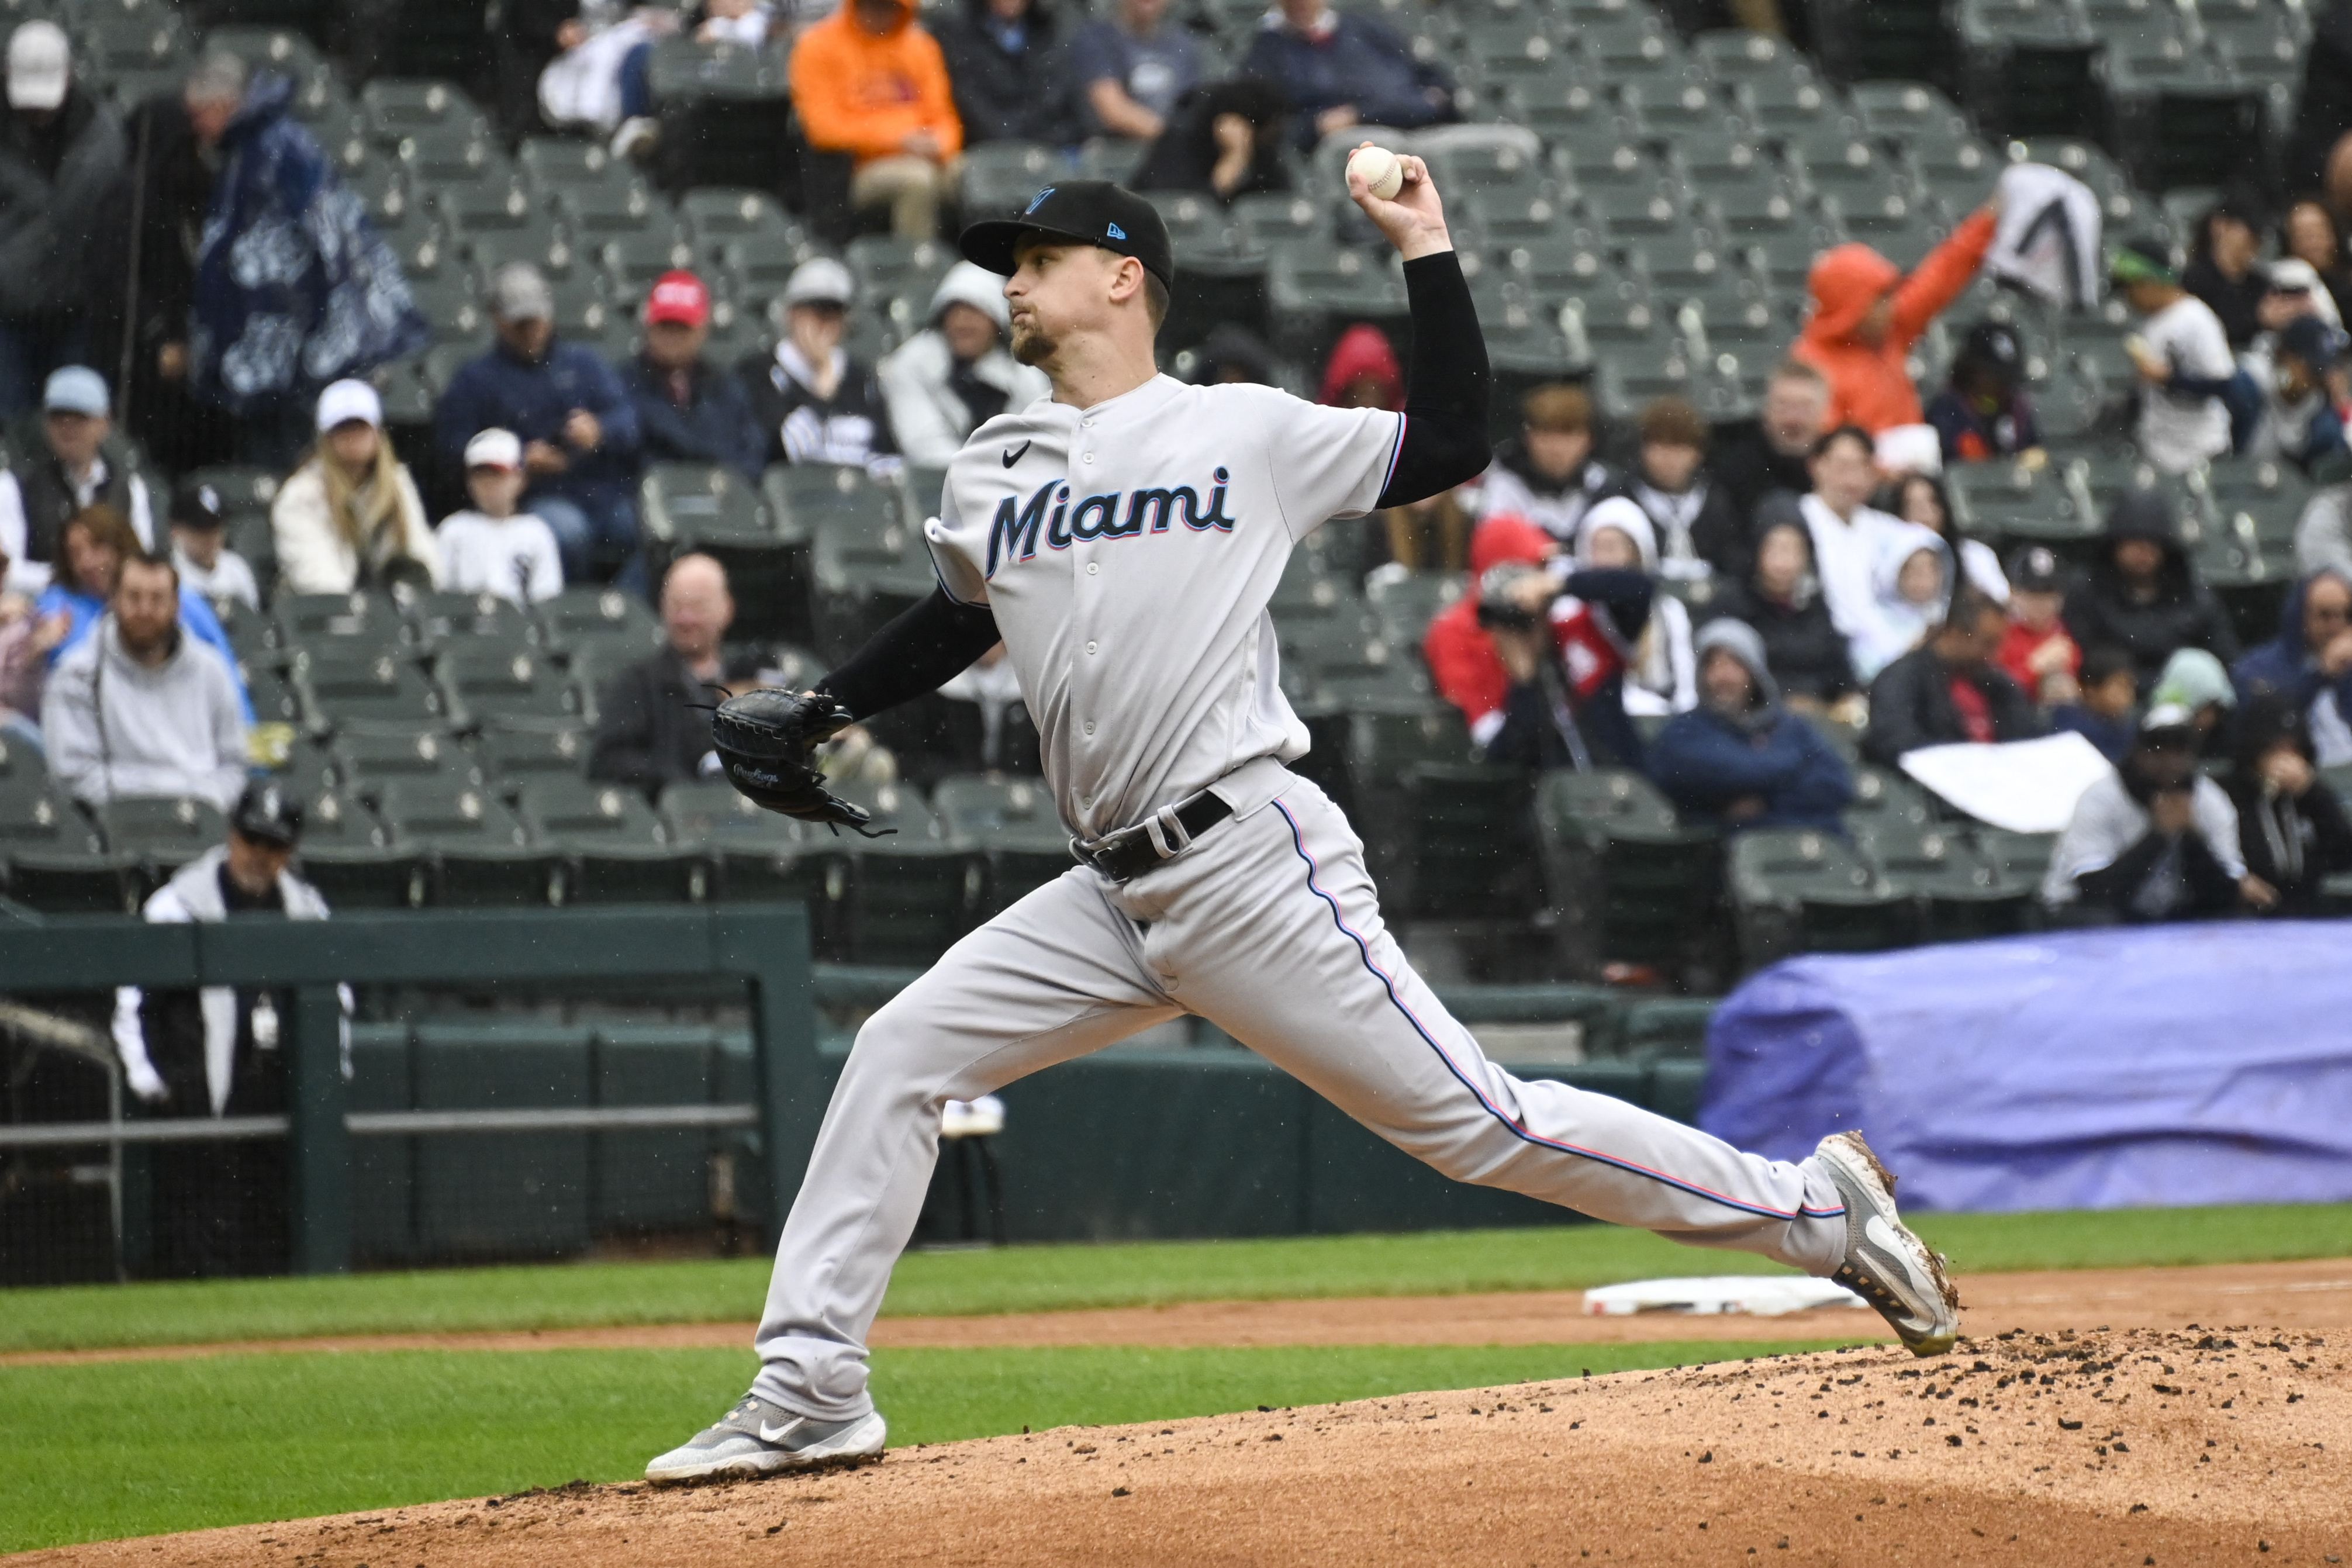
{"type": "Point", "coordinates": [1114, 231]}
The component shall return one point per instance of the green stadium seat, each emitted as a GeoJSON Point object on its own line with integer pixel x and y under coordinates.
{"type": "Point", "coordinates": [586, 614]}
{"type": "Point", "coordinates": [396, 107]}
{"type": "Point", "coordinates": [365, 763]}
{"type": "Point", "coordinates": [1960, 892]}
{"type": "Point", "coordinates": [22, 766]}
{"type": "Point", "coordinates": [691, 508]}
{"type": "Point", "coordinates": [913, 893]}
{"type": "Point", "coordinates": [481, 854]}
{"type": "Point", "coordinates": [761, 857]}
{"type": "Point", "coordinates": [1013, 823]}
{"type": "Point", "coordinates": [450, 620]}
{"type": "Point", "coordinates": [867, 561]}
{"type": "Point", "coordinates": [1000, 177]}
{"type": "Point", "coordinates": [1627, 880]}
{"type": "Point", "coordinates": [452, 307]}
{"type": "Point", "coordinates": [1797, 890]}
{"type": "Point", "coordinates": [886, 266]}
{"type": "Point", "coordinates": [516, 685]}
{"type": "Point", "coordinates": [552, 163]}
{"type": "Point", "coordinates": [439, 156]}
{"type": "Point", "coordinates": [1910, 114]}
{"type": "Point", "coordinates": [1633, 46]}
{"type": "Point", "coordinates": [513, 754]}
{"type": "Point", "coordinates": [1769, 222]}
{"type": "Point", "coordinates": [1665, 1028]}
{"type": "Point", "coordinates": [596, 212]}
{"type": "Point", "coordinates": [1462, 844]}
{"type": "Point", "coordinates": [1791, 106]}
{"type": "Point", "coordinates": [1738, 55]}
{"type": "Point", "coordinates": [1666, 109]}
{"type": "Point", "coordinates": [1403, 604]}
{"type": "Point", "coordinates": [1708, 161]}
{"type": "Point", "coordinates": [134, 53]}
{"type": "Point", "coordinates": [2019, 859]}
{"type": "Point", "coordinates": [1882, 795]}
{"type": "Point", "coordinates": [718, 215]}
{"type": "Point", "coordinates": [347, 622]}
{"type": "Point", "coordinates": [2007, 501]}
{"type": "Point", "coordinates": [2257, 498]}
{"type": "Point", "coordinates": [348, 856]}
{"type": "Point", "coordinates": [344, 691]}
{"type": "Point", "coordinates": [619, 851]}
{"type": "Point", "coordinates": [1202, 235]}
{"type": "Point", "coordinates": [631, 262]}
{"type": "Point", "coordinates": [1568, 106]}
{"type": "Point", "coordinates": [166, 831]}
{"type": "Point", "coordinates": [73, 879]}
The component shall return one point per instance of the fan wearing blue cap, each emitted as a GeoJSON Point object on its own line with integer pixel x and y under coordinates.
{"type": "Point", "coordinates": [2305, 394]}
{"type": "Point", "coordinates": [71, 469]}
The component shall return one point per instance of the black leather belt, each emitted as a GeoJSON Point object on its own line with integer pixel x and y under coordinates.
{"type": "Point", "coordinates": [1166, 833]}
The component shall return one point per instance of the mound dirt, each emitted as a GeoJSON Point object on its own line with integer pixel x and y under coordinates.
{"type": "Point", "coordinates": [2207, 1447]}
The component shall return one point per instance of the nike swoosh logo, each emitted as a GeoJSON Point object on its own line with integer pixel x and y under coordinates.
{"type": "Point", "coordinates": [776, 1434]}
{"type": "Point", "coordinates": [1015, 454]}
{"type": "Point", "coordinates": [1887, 1240]}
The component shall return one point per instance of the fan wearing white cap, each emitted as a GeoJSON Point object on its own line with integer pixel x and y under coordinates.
{"type": "Point", "coordinates": [61, 158]}
{"type": "Point", "coordinates": [818, 403]}
{"type": "Point", "coordinates": [350, 517]}
{"type": "Point", "coordinates": [493, 547]}
{"type": "Point", "coordinates": [956, 375]}
{"type": "Point", "coordinates": [48, 484]}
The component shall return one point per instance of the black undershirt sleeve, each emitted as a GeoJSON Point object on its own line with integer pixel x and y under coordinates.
{"type": "Point", "coordinates": [1445, 441]}
{"type": "Point", "coordinates": [920, 651]}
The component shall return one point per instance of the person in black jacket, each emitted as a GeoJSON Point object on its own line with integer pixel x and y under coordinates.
{"type": "Point", "coordinates": [1005, 67]}
{"type": "Point", "coordinates": [1951, 689]}
{"type": "Point", "coordinates": [1803, 650]}
{"type": "Point", "coordinates": [1755, 457]}
{"type": "Point", "coordinates": [1700, 532]}
{"type": "Point", "coordinates": [61, 160]}
{"type": "Point", "coordinates": [653, 719]}
{"type": "Point", "coordinates": [690, 410]}
{"type": "Point", "coordinates": [2144, 595]}
{"type": "Point", "coordinates": [2292, 829]}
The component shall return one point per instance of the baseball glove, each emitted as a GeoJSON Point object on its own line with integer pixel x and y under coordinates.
{"type": "Point", "coordinates": [766, 742]}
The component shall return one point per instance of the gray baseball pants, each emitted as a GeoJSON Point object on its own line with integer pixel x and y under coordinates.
{"type": "Point", "coordinates": [1268, 928]}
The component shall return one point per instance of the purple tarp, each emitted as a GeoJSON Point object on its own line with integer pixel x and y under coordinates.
{"type": "Point", "coordinates": [2171, 1065]}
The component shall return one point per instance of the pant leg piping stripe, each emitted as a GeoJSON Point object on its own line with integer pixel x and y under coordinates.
{"type": "Point", "coordinates": [1363, 949]}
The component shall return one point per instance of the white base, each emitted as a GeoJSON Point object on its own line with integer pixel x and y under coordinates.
{"type": "Point", "coordinates": [1760, 1296]}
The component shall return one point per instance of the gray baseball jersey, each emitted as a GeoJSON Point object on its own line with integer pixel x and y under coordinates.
{"type": "Point", "coordinates": [1128, 552]}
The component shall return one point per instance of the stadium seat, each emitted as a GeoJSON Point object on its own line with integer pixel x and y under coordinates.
{"type": "Point", "coordinates": [470, 621]}
{"type": "Point", "coordinates": [517, 686]}
{"type": "Point", "coordinates": [22, 765]}
{"type": "Point", "coordinates": [1013, 824]}
{"type": "Point", "coordinates": [165, 831]}
{"type": "Point", "coordinates": [867, 562]}
{"type": "Point", "coordinates": [1730, 159]}
{"type": "Point", "coordinates": [554, 161]}
{"type": "Point", "coordinates": [584, 615]}
{"type": "Point", "coordinates": [1312, 287]}
{"type": "Point", "coordinates": [886, 266]}
{"type": "Point", "coordinates": [1203, 236]}
{"type": "Point", "coordinates": [912, 893]}
{"type": "Point", "coordinates": [1768, 223]}
{"type": "Point", "coordinates": [1464, 846]}
{"type": "Point", "coordinates": [1627, 880]}
{"type": "Point", "coordinates": [365, 764]}
{"type": "Point", "coordinates": [1798, 890]}
{"type": "Point", "coordinates": [1738, 55]}
{"type": "Point", "coordinates": [135, 53]}
{"type": "Point", "coordinates": [1403, 604]}
{"type": "Point", "coordinates": [1959, 892]}
{"type": "Point", "coordinates": [481, 854]}
{"type": "Point", "coordinates": [1568, 107]}
{"type": "Point", "coordinates": [1881, 794]}
{"type": "Point", "coordinates": [1000, 177]}
{"type": "Point", "coordinates": [1664, 1029]}
{"type": "Point", "coordinates": [2018, 859]}
{"type": "Point", "coordinates": [2002, 503]}
{"type": "Point", "coordinates": [439, 156]}
{"type": "Point", "coordinates": [512, 754]}
{"type": "Point", "coordinates": [75, 879]}
{"type": "Point", "coordinates": [1667, 111]}
{"type": "Point", "coordinates": [394, 107]}
{"type": "Point", "coordinates": [1791, 106]}
{"type": "Point", "coordinates": [761, 857]}
{"type": "Point", "coordinates": [2257, 498]}
{"type": "Point", "coordinates": [349, 622]}
{"type": "Point", "coordinates": [1910, 114]}
{"type": "Point", "coordinates": [346, 855]}
{"type": "Point", "coordinates": [598, 212]}
{"type": "Point", "coordinates": [357, 690]}
{"type": "Point", "coordinates": [617, 850]}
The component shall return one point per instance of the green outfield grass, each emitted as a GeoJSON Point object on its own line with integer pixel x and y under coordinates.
{"type": "Point", "coordinates": [124, 1449]}
{"type": "Point", "coordinates": [1042, 1278]}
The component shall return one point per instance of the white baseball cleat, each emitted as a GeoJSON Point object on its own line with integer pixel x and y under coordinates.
{"type": "Point", "coordinates": [1886, 1264]}
{"type": "Point", "coordinates": [757, 1438]}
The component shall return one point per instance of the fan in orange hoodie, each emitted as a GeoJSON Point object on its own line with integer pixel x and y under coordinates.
{"type": "Point", "coordinates": [1868, 313]}
{"type": "Point", "coordinates": [868, 81]}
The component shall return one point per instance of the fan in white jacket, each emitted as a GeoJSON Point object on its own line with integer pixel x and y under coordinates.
{"type": "Point", "coordinates": [955, 374]}
{"type": "Point", "coordinates": [1661, 671]}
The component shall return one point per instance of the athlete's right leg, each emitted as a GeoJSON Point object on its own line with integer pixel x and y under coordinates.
{"type": "Point", "coordinates": [1055, 976]}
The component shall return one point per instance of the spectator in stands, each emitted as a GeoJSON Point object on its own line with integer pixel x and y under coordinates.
{"type": "Point", "coordinates": [1740, 758]}
{"type": "Point", "coordinates": [2309, 663]}
{"type": "Point", "coordinates": [653, 718]}
{"type": "Point", "coordinates": [1867, 312]}
{"type": "Point", "coordinates": [495, 547]}
{"type": "Point", "coordinates": [1661, 671]}
{"type": "Point", "coordinates": [690, 410]}
{"type": "Point", "coordinates": [1546, 473]}
{"type": "Point", "coordinates": [1983, 412]}
{"type": "Point", "coordinates": [2305, 395]}
{"type": "Point", "coordinates": [1129, 68]}
{"type": "Point", "coordinates": [2155, 840]}
{"type": "Point", "coordinates": [26, 640]}
{"type": "Point", "coordinates": [1344, 70]}
{"type": "Point", "coordinates": [2324, 108]}
{"type": "Point", "coordinates": [2183, 358]}
{"type": "Point", "coordinates": [1363, 371]}
{"type": "Point", "coordinates": [95, 544]}
{"type": "Point", "coordinates": [1921, 499]}
{"type": "Point", "coordinates": [350, 518]}
{"type": "Point", "coordinates": [70, 471]}
{"type": "Point", "coordinates": [219, 1206]}
{"type": "Point", "coordinates": [1803, 651]}
{"type": "Point", "coordinates": [2222, 269]}
{"type": "Point", "coordinates": [1771, 453]}
{"type": "Point", "coordinates": [331, 277]}
{"type": "Point", "coordinates": [2195, 680]}
{"type": "Point", "coordinates": [61, 158]}
{"type": "Point", "coordinates": [582, 444]}
{"type": "Point", "coordinates": [1231, 353]}
{"type": "Point", "coordinates": [2142, 593]}
{"type": "Point", "coordinates": [1699, 532]}
{"type": "Point", "coordinates": [2104, 710]}
{"type": "Point", "coordinates": [200, 553]}
{"type": "Point", "coordinates": [2309, 235]}
{"type": "Point", "coordinates": [1535, 657]}
{"type": "Point", "coordinates": [1911, 583]}
{"type": "Point", "coordinates": [1949, 690]}
{"type": "Point", "coordinates": [2294, 289]}
{"type": "Point", "coordinates": [2037, 652]}
{"type": "Point", "coordinates": [814, 403]}
{"type": "Point", "coordinates": [1848, 534]}
{"type": "Point", "coordinates": [141, 317]}
{"type": "Point", "coordinates": [1225, 139]}
{"type": "Point", "coordinates": [1008, 67]}
{"type": "Point", "coordinates": [868, 82]}
{"type": "Point", "coordinates": [2290, 828]}
{"type": "Point", "coordinates": [137, 707]}
{"type": "Point", "coordinates": [2323, 535]}
{"type": "Point", "coordinates": [956, 375]}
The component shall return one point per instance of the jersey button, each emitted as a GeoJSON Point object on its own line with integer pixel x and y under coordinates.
{"type": "Point", "coordinates": [1090, 726]}
{"type": "Point", "coordinates": [1093, 567]}
{"type": "Point", "coordinates": [1087, 423]}
{"type": "Point", "coordinates": [1088, 458]}
{"type": "Point", "coordinates": [1090, 647]}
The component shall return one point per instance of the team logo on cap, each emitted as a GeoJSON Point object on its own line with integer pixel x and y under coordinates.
{"type": "Point", "coordinates": [209, 497]}
{"type": "Point", "coordinates": [1114, 231]}
{"type": "Point", "coordinates": [1037, 201]}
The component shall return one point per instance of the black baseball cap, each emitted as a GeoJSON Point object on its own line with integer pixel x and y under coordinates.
{"type": "Point", "coordinates": [268, 813]}
{"type": "Point", "coordinates": [197, 504]}
{"type": "Point", "coordinates": [1092, 212]}
{"type": "Point", "coordinates": [2037, 570]}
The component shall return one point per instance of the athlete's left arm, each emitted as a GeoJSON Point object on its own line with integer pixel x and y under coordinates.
{"type": "Point", "coordinates": [1445, 441]}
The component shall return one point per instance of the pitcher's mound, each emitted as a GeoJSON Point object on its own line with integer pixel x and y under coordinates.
{"type": "Point", "coordinates": [2196, 1447]}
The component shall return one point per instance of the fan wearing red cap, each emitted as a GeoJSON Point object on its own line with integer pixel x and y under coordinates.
{"type": "Point", "coordinates": [691, 409]}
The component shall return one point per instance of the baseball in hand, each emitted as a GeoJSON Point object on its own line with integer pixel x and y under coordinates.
{"type": "Point", "coordinates": [1383, 175]}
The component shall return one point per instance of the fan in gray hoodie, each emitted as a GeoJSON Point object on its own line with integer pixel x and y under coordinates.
{"type": "Point", "coordinates": [956, 375]}
{"type": "Point", "coordinates": [140, 708]}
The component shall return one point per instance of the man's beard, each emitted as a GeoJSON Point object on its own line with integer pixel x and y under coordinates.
{"type": "Point", "coordinates": [1031, 345]}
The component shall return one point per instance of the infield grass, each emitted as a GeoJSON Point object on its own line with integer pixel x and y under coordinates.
{"type": "Point", "coordinates": [144, 1448]}
{"type": "Point", "coordinates": [1046, 1278]}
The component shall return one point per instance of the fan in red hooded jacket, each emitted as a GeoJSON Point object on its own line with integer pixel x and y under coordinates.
{"type": "Point", "coordinates": [1565, 711]}
{"type": "Point", "coordinates": [1867, 312]}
